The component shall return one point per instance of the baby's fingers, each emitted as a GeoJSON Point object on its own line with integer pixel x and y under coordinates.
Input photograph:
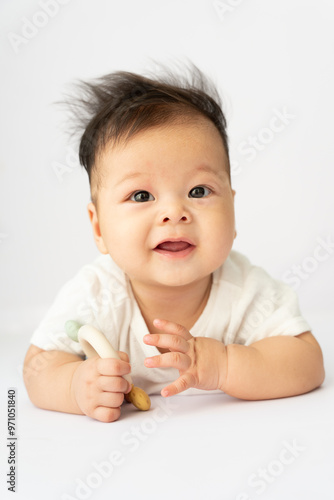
{"type": "Point", "coordinates": [105, 414]}
{"type": "Point", "coordinates": [172, 328]}
{"type": "Point", "coordinates": [113, 384]}
{"type": "Point", "coordinates": [167, 341]}
{"type": "Point", "coordinates": [113, 367]}
{"type": "Point", "coordinates": [169, 360]}
{"type": "Point", "coordinates": [181, 384]}
{"type": "Point", "coordinates": [123, 356]}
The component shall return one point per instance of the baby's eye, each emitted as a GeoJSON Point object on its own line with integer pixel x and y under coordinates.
{"type": "Point", "coordinates": [141, 196]}
{"type": "Point", "coordinates": [199, 192]}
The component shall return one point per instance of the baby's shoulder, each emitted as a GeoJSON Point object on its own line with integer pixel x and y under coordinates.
{"type": "Point", "coordinates": [101, 276]}
{"type": "Point", "coordinates": [103, 267]}
{"type": "Point", "coordinates": [239, 272]}
{"type": "Point", "coordinates": [235, 270]}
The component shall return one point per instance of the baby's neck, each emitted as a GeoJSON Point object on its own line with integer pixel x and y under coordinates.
{"type": "Point", "coordinates": [182, 305]}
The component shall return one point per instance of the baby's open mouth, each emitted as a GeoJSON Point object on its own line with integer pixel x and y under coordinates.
{"type": "Point", "coordinates": [173, 246]}
{"type": "Point", "coordinates": [179, 249]}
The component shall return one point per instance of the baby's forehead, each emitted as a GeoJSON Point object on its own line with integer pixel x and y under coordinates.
{"type": "Point", "coordinates": [196, 140]}
{"type": "Point", "coordinates": [197, 130]}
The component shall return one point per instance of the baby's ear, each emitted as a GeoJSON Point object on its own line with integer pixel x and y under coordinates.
{"type": "Point", "coordinates": [92, 213]}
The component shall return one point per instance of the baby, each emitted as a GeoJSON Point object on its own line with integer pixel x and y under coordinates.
{"type": "Point", "coordinates": [184, 310]}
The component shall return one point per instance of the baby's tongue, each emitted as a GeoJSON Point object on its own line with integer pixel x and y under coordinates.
{"type": "Point", "coordinates": [173, 246]}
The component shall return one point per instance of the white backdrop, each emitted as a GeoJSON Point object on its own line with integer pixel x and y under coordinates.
{"type": "Point", "coordinates": [273, 64]}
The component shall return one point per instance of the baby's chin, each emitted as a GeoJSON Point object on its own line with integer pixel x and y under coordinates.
{"type": "Point", "coordinates": [173, 274]}
{"type": "Point", "coordinates": [176, 281]}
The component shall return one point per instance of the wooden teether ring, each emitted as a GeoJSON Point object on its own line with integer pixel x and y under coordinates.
{"type": "Point", "coordinates": [94, 343]}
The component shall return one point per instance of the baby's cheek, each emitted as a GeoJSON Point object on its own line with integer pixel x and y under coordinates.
{"type": "Point", "coordinates": [219, 237]}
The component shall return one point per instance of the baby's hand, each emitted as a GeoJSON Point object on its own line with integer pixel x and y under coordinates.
{"type": "Point", "coordinates": [98, 386]}
{"type": "Point", "coordinates": [201, 361]}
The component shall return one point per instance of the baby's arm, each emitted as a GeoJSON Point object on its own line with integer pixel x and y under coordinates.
{"type": "Point", "coordinates": [60, 381]}
{"type": "Point", "coordinates": [273, 367]}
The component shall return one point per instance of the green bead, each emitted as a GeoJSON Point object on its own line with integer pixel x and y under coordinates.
{"type": "Point", "coordinates": [71, 328]}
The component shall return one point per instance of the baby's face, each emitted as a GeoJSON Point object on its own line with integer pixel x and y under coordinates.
{"type": "Point", "coordinates": [165, 209]}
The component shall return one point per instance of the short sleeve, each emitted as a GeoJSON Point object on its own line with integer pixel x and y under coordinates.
{"type": "Point", "coordinates": [94, 296]}
{"type": "Point", "coordinates": [71, 302]}
{"type": "Point", "coordinates": [267, 308]}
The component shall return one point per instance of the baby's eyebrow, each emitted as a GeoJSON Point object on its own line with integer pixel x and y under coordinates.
{"type": "Point", "coordinates": [207, 168]}
{"type": "Point", "coordinates": [131, 175]}
{"type": "Point", "coordinates": [221, 173]}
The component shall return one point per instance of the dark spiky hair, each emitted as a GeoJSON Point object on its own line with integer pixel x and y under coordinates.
{"type": "Point", "coordinates": [117, 106]}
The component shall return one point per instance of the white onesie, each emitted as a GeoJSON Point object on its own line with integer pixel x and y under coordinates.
{"type": "Point", "coordinates": [245, 305]}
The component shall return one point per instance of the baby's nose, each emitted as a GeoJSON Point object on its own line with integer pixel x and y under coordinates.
{"type": "Point", "coordinates": [184, 218]}
{"type": "Point", "coordinates": [174, 213]}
